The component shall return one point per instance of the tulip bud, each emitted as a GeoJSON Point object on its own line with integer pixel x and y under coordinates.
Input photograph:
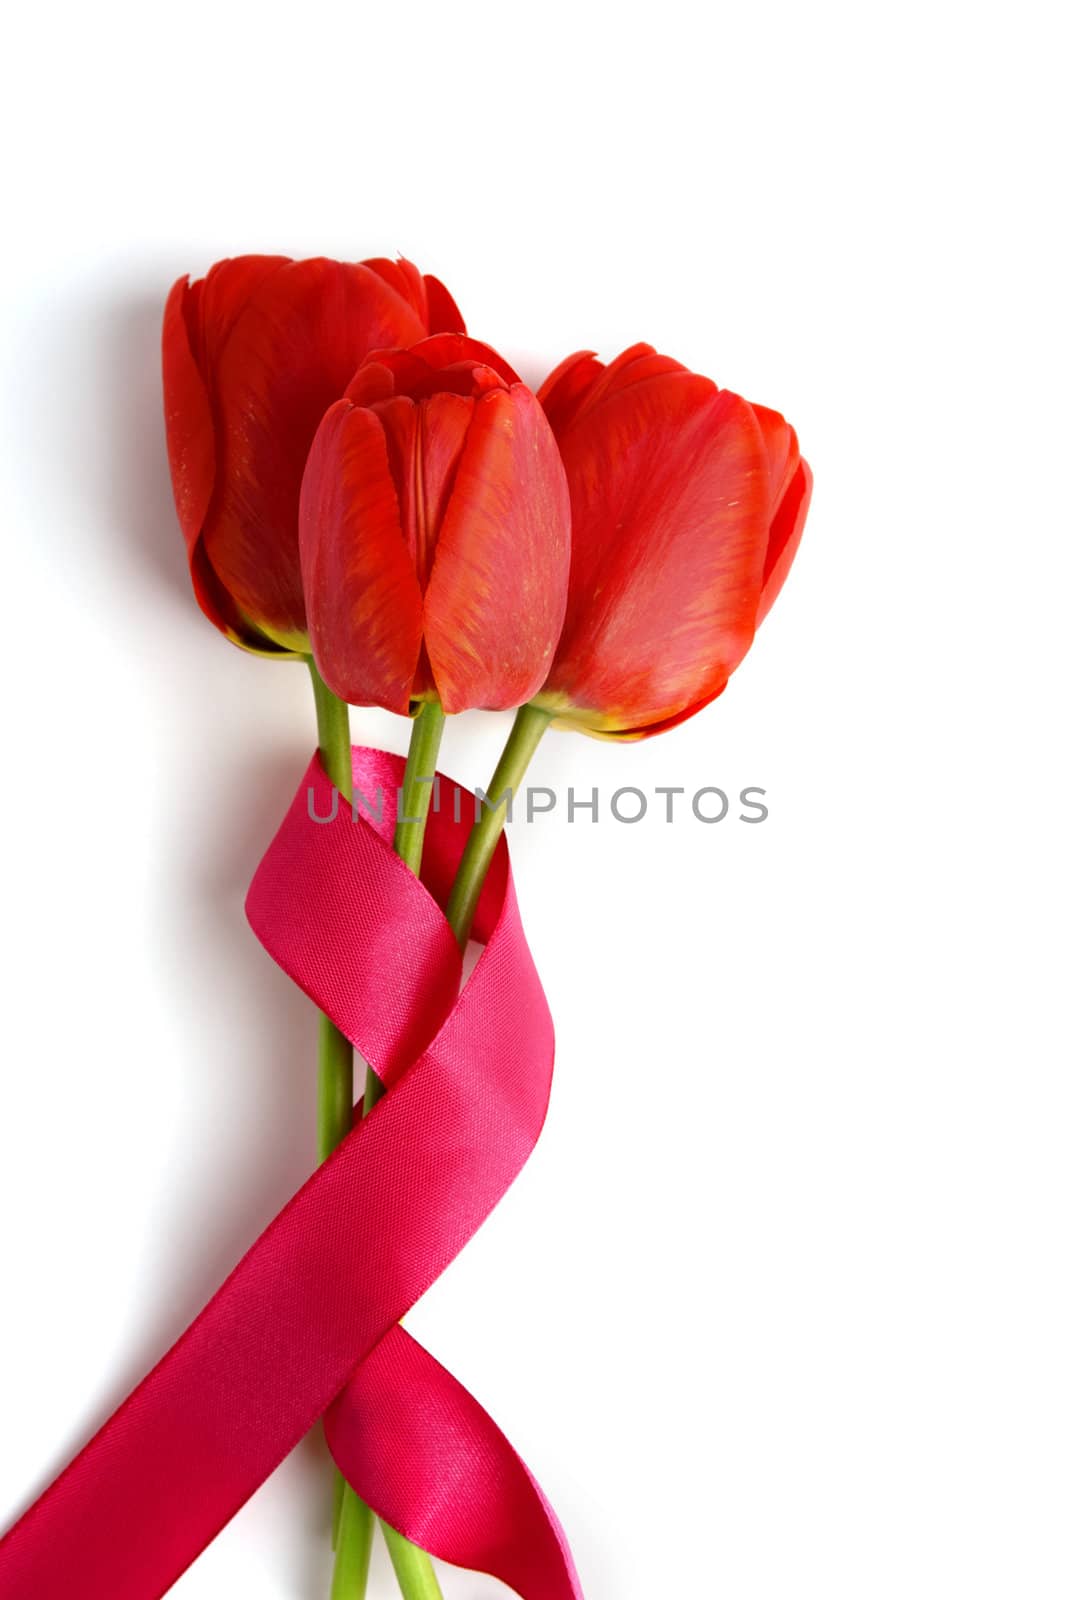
{"type": "Point", "coordinates": [687, 506]}
{"type": "Point", "coordinates": [435, 533]}
{"type": "Point", "coordinates": [253, 355]}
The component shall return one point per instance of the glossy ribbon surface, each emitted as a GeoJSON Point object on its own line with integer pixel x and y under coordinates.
{"type": "Point", "coordinates": [306, 1324]}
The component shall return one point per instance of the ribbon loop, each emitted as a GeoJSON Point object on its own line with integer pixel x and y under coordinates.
{"type": "Point", "coordinates": [307, 1321]}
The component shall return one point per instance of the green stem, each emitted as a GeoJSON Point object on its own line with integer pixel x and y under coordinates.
{"type": "Point", "coordinates": [417, 789]}
{"type": "Point", "coordinates": [413, 1567]}
{"type": "Point", "coordinates": [353, 1523]}
{"type": "Point", "coordinates": [335, 1052]}
{"type": "Point", "coordinates": [526, 733]}
{"type": "Point", "coordinates": [413, 809]}
{"type": "Point", "coordinates": [335, 742]}
{"type": "Point", "coordinates": [355, 1532]}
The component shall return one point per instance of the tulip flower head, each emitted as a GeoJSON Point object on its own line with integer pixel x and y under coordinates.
{"type": "Point", "coordinates": [687, 507]}
{"type": "Point", "coordinates": [253, 355]}
{"type": "Point", "coordinates": [435, 533]}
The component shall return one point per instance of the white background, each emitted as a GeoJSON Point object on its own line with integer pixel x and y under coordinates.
{"type": "Point", "coordinates": [777, 1308]}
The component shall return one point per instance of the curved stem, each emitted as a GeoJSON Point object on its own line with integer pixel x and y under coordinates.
{"type": "Point", "coordinates": [526, 733]}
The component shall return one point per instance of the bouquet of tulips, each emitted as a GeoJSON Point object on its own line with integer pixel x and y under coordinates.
{"type": "Point", "coordinates": [365, 489]}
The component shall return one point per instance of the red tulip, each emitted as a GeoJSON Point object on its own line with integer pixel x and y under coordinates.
{"type": "Point", "coordinates": [435, 533]}
{"type": "Point", "coordinates": [687, 506]}
{"type": "Point", "coordinates": [253, 355]}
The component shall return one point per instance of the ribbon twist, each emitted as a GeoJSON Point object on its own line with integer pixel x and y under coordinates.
{"type": "Point", "coordinates": [306, 1325]}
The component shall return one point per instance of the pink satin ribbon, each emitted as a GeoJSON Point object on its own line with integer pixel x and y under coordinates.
{"type": "Point", "coordinates": [306, 1324]}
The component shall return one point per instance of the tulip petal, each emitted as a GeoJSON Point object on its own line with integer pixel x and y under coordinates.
{"type": "Point", "coordinates": [405, 279]}
{"type": "Point", "coordinates": [364, 604]}
{"type": "Point", "coordinates": [428, 297]}
{"type": "Point", "coordinates": [581, 382]}
{"type": "Point", "coordinates": [425, 442]}
{"type": "Point", "coordinates": [633, 366]}
{"type": "Point", "coordinates": [645, 730]}
{"type": "Point", "coordinates": [442, 312]}
{"type": "Point", "coordinates": [225, 292]}
{"type": "Point", "coordinates": [567, 385]}
{"type": "Point", "coordinates": [197, 322]}
{"type": "Point", "coordinates": [381, 376]}
{"type": "Point", "coordinates": [290, 353]}
{"type": "Point", "coordinates": [786, 529]}
{"type": "Point", "coordinates": [191, 450]}
{"type": "Point", "coordinates": [219, 608]}
{"type": "Point", "coordinates": [446, 421]}
{"type": "Point", "coordinates": [436, 363]}
{"type": "Point", "coordinates": [783, 452]}
{"type": "Point", "coordinates": [187, 410]}
{"type": "Point", "coordinates": [497, 592]}
{"type": "Point", "coordinates": [453, 349]}
{"type": "Point", "coordinates": [670, 495]}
